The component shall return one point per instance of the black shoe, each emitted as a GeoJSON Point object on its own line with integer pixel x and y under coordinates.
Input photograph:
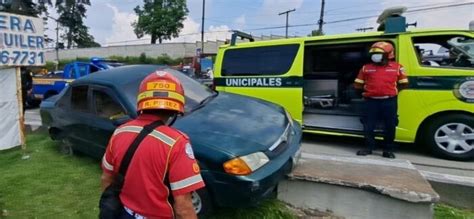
{"type": "Point", "coordinates": [364, 152]}
{"type": "Point", "coordinates": [388, 155]}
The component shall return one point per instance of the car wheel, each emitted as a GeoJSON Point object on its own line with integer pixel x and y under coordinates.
{"type": "Point", "coordinates": [202, 203]}
{"type": "Point", "coordinates": [451, 136]}
{"type": "Point", "coordinates": [66, 147]}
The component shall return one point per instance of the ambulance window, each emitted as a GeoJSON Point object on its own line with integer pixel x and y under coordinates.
{"type": "Point", "coordinates": [79, 98]}
{"type": "Point", "coordinates": [268, 60]}
{"type": "Point", "coordinates": [105, 106]}
{"type": "Point", "coordinates": [445, 51]}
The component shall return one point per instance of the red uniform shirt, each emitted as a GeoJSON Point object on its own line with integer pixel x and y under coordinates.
{"type": "Point", "coordinates": [381, 81]}
{"type": "Point", "coordinates": [165, 149]}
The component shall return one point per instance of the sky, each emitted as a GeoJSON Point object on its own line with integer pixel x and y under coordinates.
{"type": "Point", "coordinates": [110, 20]}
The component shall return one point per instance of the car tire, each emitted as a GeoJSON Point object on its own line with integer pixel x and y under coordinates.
{"type": "Point", "coordinates": [446, 136]}
{"type": "Point", "coordinates": [66, 147]}
{"type": "Point", "coordinates": [202, 203]}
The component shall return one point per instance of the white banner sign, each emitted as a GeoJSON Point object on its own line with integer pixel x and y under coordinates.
{"type": "Point", "coordinates": [21, 40]}
{"type": "Point", "coordinates": [10, 125]}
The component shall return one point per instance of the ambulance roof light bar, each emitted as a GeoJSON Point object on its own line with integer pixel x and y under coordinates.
{"type": "Point", "coordinates": [242, 36]}
{"type": "Point", "coordinates": [391, 12]}
{"type": "Point", "coordinates": [392, 21]}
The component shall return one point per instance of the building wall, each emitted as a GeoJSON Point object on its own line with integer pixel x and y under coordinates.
{"type": "Point", "coordinates": [174, 50]}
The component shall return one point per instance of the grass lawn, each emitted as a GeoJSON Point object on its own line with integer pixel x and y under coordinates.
{"type": "Point", "coordinates": [52, 185]}
{"type": "Point", "coordinates": [443, 211]}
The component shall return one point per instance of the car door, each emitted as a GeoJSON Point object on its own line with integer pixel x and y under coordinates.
{"type": "Point", "coordinates": [78, 116]}
{"type": "Point", "coordinates": [109, 113]}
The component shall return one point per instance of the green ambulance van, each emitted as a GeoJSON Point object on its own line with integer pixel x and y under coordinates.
{"type": "Point", "coordinates": [312, 77]}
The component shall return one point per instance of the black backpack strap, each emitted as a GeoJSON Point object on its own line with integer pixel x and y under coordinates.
{"type": "Point", "coordinates": [127, 158]}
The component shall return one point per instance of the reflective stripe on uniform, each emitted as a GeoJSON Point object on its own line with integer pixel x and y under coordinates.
{"type": "Point", "coordinates": [106, 164]}
{"type": "Point", "coordinates": [359, 81]}
{"type": "Point", "coordinates": [162, 137]}
{"type": "Point", "coordinates": [134, 129]}
{"type": "Point", "coordinates": [156, 134]}
{"type": "Point", "coordinates": [405, 80]}
{"type": "Point", "coordinates": [186, 182]}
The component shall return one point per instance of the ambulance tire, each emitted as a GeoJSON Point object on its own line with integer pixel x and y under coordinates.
{"type": "Point", "coordinates": [202, 203]}
{"type": "Point", "coordinates": [434, 128]}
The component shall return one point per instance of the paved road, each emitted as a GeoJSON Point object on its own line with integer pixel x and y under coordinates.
{"type": "Point", "coordinates": [343, 146]}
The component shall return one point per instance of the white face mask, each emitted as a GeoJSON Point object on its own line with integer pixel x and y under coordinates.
{"type": "Point", "coordinates": [377, 58]}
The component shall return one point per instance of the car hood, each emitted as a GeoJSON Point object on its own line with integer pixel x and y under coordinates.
{"type": "Point", "coordinates": [236, 124]}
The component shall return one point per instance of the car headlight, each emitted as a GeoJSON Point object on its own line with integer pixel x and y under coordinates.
{"type": "Point", "coordinates": [247, 164]}
{"type": "Point", "coordinates": [290, 119]}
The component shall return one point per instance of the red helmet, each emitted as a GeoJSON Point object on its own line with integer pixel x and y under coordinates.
{"type": "Point", "coordinates": [161, 91]}
{"type": "Point", "coordinates": [383, 47]}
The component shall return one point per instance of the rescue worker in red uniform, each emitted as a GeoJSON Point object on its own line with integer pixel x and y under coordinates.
{"type": "Point", "coordinates": [380, 81]}
{"type": "Point", "coordinates": [164, 160]}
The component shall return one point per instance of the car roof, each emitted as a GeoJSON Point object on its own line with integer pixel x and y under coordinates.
{"type": "Point", "coordinates": [120, 75]}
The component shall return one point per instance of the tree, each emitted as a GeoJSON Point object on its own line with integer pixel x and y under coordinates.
{"type": "Point", "coordinates": [71, 15]}
{"type": "Point", "coordinates": [25, 7]}
{"type": "Point", "coordinates": [316, 33]}
{"type": "Point", "coordinates": [162, 19]}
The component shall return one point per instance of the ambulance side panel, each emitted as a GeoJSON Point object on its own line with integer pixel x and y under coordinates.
{"type": "Point", "coordinates": [282, 89]}
{"type": "Point", "coordinates": [432, 89]}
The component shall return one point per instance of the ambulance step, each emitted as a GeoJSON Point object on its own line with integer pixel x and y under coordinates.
{"type": "Point", "coordinates": [337, 122]}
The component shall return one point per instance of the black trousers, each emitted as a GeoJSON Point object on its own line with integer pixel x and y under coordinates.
{"type": "Point", "coordinates": [384, 110]}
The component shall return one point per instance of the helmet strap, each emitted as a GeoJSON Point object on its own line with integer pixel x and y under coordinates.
{"type": "Point", "coordinates": [172, 119]}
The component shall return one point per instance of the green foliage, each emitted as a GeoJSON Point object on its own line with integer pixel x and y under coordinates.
{"type": "Point", "coordinates": [270, 209]}
{"type": "Point", "coordinates": [316, 33]}
{"type": "Point", "coordinates": [25, 7]}
{"type": "Point", "coordinates": [71, 15]}
{"type": "Point", "coordinates": [444, 211]}
{"type": "Point", "coordinates": [162, 19]}
{"type": "Point", "coordinates": [51, 66]}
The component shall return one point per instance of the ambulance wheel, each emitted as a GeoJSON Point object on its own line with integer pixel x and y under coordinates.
{"type": "Point", "coordinates": [451, 136]}
{"type": "Point", "coordinates": [202, 202]}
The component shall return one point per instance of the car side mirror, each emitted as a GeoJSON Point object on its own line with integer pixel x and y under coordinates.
{"type": "Point", "coordinates": [120, 119]}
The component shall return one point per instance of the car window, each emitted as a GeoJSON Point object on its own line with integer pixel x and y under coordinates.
{"type": "Point", "coordinates": [105, 106]}
{"type": "Point", "coordinates": [79, 98]}
{"type": "Point", "coordinates": [194, 91]}
{"type": "Point", "coordinates": [267, 60]}
{"type": "Point", "coordinates": [445, 51]}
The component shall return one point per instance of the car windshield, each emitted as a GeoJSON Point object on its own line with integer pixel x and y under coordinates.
{"type": "Point", "coordinates": [194, 92]}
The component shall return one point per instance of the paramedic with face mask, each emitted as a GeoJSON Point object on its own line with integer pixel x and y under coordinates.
{"type": "Point", "coordinates": [380, 81]}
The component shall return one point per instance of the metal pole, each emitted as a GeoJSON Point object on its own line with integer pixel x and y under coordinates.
{"type": "Point", "coordinates": [287, 13]}
{"type": "Point", "coordinates": [202, 25]}
{"type": "Point", "coordinates": [321, 17]}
